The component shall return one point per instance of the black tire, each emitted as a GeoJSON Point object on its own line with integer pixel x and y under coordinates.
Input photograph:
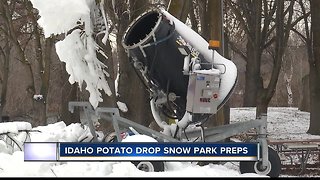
{"type": "Point", "coordinates": [149, 166]}
{"type": "Point", "coordinates": [274, 160]}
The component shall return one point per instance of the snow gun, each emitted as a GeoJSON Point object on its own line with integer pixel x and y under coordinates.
{"type": "Point", "coordinates": [188, 81]}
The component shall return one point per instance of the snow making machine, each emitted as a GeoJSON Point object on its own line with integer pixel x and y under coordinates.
{"type": "Point", "coordinates": [188, 83]}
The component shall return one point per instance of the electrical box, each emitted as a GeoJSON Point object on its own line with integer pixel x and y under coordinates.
{"type": "Point", "coordinates": [203, 91]}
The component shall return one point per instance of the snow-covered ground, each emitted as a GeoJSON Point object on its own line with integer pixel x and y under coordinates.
{"type": "Point", "coordinates": [283, 123]}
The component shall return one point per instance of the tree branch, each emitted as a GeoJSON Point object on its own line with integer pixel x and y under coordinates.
{"type": "Point", "coordinates": [268, 17]}
{"type": "Point", "coordinates": [299, 34]}
{"type": "Point", "coordinates": [237, 50]}
{"type": "Point", "coordinates": [268, 43]}
{"type": "Point", "coordinates": [300, 18]}
{"type": "Point", "coordinates": [239, 17]}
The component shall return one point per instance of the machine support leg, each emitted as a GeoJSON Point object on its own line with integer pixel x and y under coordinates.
{"type": "Point", "coordinates": [116, 127]}
{"type": "Point", "coordinates": [90, 123]}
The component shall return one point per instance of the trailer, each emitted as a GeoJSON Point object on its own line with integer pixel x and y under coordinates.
{"type": "Point", "coordinates": [215, 134]}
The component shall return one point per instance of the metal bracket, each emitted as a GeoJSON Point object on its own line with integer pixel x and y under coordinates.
{"type": "Point", "coordinates": [88, 111]}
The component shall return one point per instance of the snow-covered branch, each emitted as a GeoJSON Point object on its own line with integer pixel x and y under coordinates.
{"type": "Point", "coordinates": [78, 49]}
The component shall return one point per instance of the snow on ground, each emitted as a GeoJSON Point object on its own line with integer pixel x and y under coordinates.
{"type": "Point", "coordinates": [283, 123]}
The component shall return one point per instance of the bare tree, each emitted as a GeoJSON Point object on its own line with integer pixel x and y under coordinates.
{"type": "Point", "coordinates": [267, 25]}
{"type": "Point", "coordinates": [33, 51]}
{"type": "Point", "coordinates": [305, 35]}
{"type": "Point", "coordinates": [43, 57]}
{"type": "Point", "coordinates": [310, 37]}
{"type": "Point", "coordinates": [14, 17]}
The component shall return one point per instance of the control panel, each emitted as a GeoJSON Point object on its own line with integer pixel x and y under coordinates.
{"type": "Point", "coordinates": [203, 92]}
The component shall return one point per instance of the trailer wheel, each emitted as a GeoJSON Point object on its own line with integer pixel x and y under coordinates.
{"type": "Point", "coordinates": [273, 169]}
{"type": "Point", "coordinates": [149, 166]}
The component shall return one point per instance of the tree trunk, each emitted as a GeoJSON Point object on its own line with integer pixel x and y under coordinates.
{"type": "Point", "coordinates": [262, 102]}
{"type": "Point", "coordinates": [314, 65]}
{"type": "Point", "coordinates": [314, 127]}
{"type": "Point", "coordinates": [215, 23]}
{"type": "Point", "coordinates": [45, 73]}
{"type": "Point", "coordinates": [253, 79]}
{"type": "Point", "coordinates": [215, 26]}
{"type": "Point", "coordinates": [180, 9]}
{"type": "Point", "coordinates": [226, 107]}
{"type": "Point", "coordinates": [131, 90]}
{"type": "Point", "coordinates": [40, 110]}
{"type": "Point", "coordinates": [304, 104]}
{"type": "Point", "coordinates": [193, 19]}
{"type": "Point", "coordinates": [262, 106]}
{"type": "Point", "coordinates": [282, 34]}
{"type": "Point", "coordinates": [69, 93]}
{"type": "Point", "coordinates": [204, 19]}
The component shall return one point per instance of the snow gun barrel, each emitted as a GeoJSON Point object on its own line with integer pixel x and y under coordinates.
{"type": "Point", "coordinates": [165, 51]}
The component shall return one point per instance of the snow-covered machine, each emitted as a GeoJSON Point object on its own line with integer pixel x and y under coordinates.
{"type": "Point", "coordinates": [188, 82]}
{"type": "Point", "coordinates": [177, 67]}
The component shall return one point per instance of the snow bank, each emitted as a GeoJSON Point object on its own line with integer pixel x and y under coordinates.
{"type": "Point", "coordinates": [14, 127]}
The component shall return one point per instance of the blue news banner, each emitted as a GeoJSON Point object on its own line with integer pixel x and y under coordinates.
{"type": "Point", "coordinates": [141, 151]}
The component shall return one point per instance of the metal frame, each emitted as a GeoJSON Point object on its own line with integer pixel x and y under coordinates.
{"type": "Point", "coordinates": [214, 134]}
